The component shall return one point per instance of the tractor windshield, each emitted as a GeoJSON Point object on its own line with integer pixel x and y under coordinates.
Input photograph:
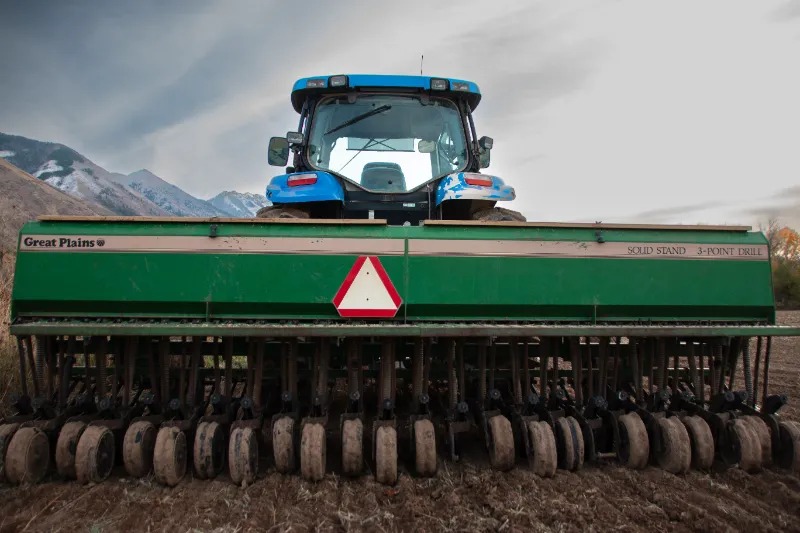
{"type": "Point", "coordinates": [387, 143]}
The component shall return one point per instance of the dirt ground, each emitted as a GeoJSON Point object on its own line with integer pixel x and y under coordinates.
{"type": "Point", "coordinates": [464, 496]}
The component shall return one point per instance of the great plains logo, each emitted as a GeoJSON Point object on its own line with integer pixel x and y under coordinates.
{"type": "Point", "coordinates": [63, 242]}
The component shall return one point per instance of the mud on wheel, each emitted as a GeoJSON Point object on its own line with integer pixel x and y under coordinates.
{"type": "Point", "coordinates": [633, 448]}
{"type": "Point", "coordinates": [169, 456]}
{"type": "Point", "coordinates": [544, 454]}
{"type": "Point", "coordinates": [313, 453]}
{"type": "Point", "coordinates": [386, 455]}
{"type": "Point", "coordinates": [243, 456]}
{"type": "Point", "coordinates": [27, 457]}
{"type": "Point", "coordinates": [501, 443]}
{"type": "Point", "coordinates": [352, 447]}
{"type": "Point", "coordinates": [424, 448]}
{"type": "Point", "coordinates": [94, 456]}
{"type": "Point", "coordinates": [675, 453]}
{"type": "Point", "coordinates": [569, 442]}
{"type": "Point", "coordinates": [137, 448]}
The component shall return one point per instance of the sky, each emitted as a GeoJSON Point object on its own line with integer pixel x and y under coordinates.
{"type": "Point", "coordinates": [679, 111]}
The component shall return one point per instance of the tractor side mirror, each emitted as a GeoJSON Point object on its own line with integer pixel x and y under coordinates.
{"type": "Point", "coordinates": [278, 151]}
{"type": "Point", "coordinates": [485, 148]}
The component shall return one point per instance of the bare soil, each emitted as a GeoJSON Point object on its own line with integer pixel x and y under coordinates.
{"type": "Point", "coordinates": [465, 496]}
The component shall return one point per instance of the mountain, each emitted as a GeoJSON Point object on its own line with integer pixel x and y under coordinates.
{"type": "Point", "coordinates": [140, 193]}
{"type": "Point", "coordinates": [168, 197]}
{"type": "Point", "coordinates": [240, 204]}
{"type": "Point", "coordinates": [69, 171]}
{"type": "Point", "coordinates": [24, 198]}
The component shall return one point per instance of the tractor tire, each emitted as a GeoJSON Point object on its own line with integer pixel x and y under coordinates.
{"type": "Point", "coordinates": [498, 214]}
{"type": "Point", "coordinates": [282, 212]}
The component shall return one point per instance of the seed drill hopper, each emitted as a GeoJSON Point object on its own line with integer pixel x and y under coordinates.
{"type": "Point", "coordinates": [384, 308]}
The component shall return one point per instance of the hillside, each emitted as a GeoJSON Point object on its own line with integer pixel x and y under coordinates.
{"type": "Point", "coordinates": [24, 198]}
{"type": "Point", "coordinates": [139, 193]}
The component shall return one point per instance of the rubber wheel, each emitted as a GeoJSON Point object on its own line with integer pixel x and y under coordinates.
{"type": "Point", "coordinates": [66, 446]}
{"type": "Point", "coordinates": [577, 435]}
{"type": "Point", "coordinates": [424, 448]}
{"type": "Point", "coordinates": [94, 456]}
{"type": "Point", "coordinates": [313, 454]}
{"type": "Point", "coordinates": [544, 457]}
{"type": "Point", "coordinates": [634, 445]}
{"type": "Point", "coordinates": [283, 444]}
{"type": "Point", "coordinates": [763, 435]}
{"type": "Point", "coordinates": [281, 212]}
{"type": "Point", "coordinates": [6, 433]}
{"type": "Point", "coordinates": [701, 440]}
{"type": "Point", "coordinates": [675, 455]}
{"type": "Point", "coordinates": [569, 443]}
{"type": "Point", "coordinates": [501, 443]}
{"type": "Point", "coordinates": [352, 447]}
{"type": "Point", "coordinates": [747, 445]}
{"type": "Point", "coordinates": [27, 456]}
{"type": "Point", "coordinates": [386, 455]}
{"type": "Point", "coordinates": [789, 455]}
{"type": "Point", "coordinates": [169, 456]}
{"type": "Point", "coordinates": [137, 448]}
{"type": "Point", "coordinates": [243, 456]}
{"type": "Point", "coordinates": [208, 453]}
{"type": "Point", "coordinates": [498, 214]}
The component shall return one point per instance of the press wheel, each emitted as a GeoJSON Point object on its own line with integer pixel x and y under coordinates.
{"type": "Point", "coordinates": [312, 452]}
{"type": "Point", "coordinates": [94, 456]}
{"type": "Point", "coordinates": [701, 440]}
{"type": "Point", "coordinates": [746, 446]}
{"type": "Point", "coordinates": [386, 455]}
{"type": "Point", "coordinates": [66, 446]}
{"type": "Point", "coordinates": [208, 453]}
{"type": "Point", "coordinates": [352, 447]}
{"type": "Point", "coordinates": [6, 433]}
{"type": "Point", "coordinates": [243, 456]}
{"type": "Point", "coordinates": [675, 455]}
{"type": "Point", "coordinates": [544, 457]}
{"type": "Point", "coordinates": [169, 456]}
{"type": "Point", "coordinates": [763, 435]}
{"type": "Point", "coordinates": [501, 443]}
{"type": "Point", "coordinates": [634, 445]}
{"type": "Point", "coordinates": [283, 444]}
{"type": "Point", "coordinates": [137, 448]}
{"type": "Point", "coordinates": [789, 454]}
{"type": "Point", "coordinates": [27, 456]}
{"type": "Point", "coordinates": [569, 442]}
{"type": "Point", "coordinates": [424, 447]}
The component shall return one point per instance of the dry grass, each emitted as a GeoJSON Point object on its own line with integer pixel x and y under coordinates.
{"type": "Point", "coordinates": [8, 361]}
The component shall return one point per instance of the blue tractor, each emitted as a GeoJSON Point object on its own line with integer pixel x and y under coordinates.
{"type": "Point", "coordinates": [400, 148]}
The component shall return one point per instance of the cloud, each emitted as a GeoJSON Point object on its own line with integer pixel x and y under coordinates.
{"type": "Point", "coordinates": [787, 11]}
{"type": "Point", "coordinates": [669, 212]}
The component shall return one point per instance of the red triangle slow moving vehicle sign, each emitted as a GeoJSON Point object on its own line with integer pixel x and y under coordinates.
{"type": "Point", "coordinates": [367, 291]}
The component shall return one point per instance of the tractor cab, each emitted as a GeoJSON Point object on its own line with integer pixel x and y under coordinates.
{"type": "Point", "coordinates": [401, 148]}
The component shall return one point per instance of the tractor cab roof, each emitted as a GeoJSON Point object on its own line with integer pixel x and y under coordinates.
{"type": "Point", "coordinates": [449, 87]}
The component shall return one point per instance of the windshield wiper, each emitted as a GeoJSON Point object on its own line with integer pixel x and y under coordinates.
{"type": "Point", "coordinates": [359, 118]}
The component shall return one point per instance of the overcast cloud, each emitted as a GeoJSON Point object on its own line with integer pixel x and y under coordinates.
{"type": "Point", "coordinates": [672, 111]}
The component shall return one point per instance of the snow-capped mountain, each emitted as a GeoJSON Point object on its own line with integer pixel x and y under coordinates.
{"type": "Point", "coordinates": [239, 204]}
{"type": "Point", "coordinates": [167, 196]}
{"type": "Point", "coordinates": [140, 193]}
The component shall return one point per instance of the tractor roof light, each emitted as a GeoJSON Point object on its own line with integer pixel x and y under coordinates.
{"type": "Point", "coordinates": [316, 83]}
{"type": "Point", "coordinates": [294, 137]}
{"type": "Point", "coordinates": [295, 180]}
{"type": "Point", "coordinates": [460, 86]}
{"type": "Point", "coordinates": [438, 84]}
{"type": "Point", "coordinates": [337, 81]}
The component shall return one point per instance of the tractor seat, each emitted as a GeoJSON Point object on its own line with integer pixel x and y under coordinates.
{"type": "Point", "coordinates": [387, 177]}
